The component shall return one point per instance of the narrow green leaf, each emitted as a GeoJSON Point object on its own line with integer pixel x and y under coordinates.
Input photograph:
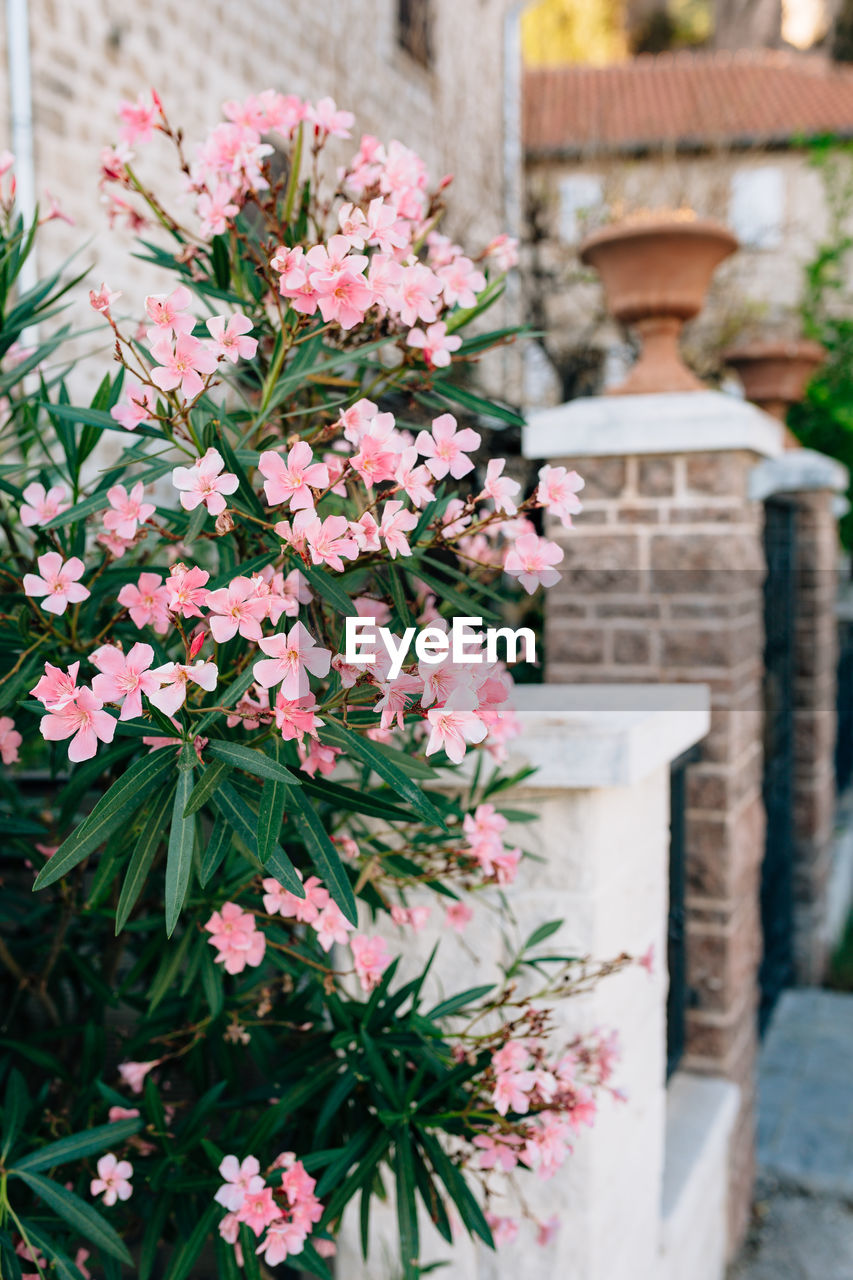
{"type": "Point", "coordinates": [244, 821]}
{"type": "Point", "coordinates": [80, 1216]}
{"type": "Point", "coordinates": [125, 794]}
{"type": "Point", "coordinates": [458, 1190]}
{"type": "Point", "coordinates": [206, 785]}
{"type": "Point", "coordinates": [460, 1001]}
{"type": "Point", "coordinates": [187, 1255]}
{"type": "Point", "coordinates": [16, 1104]}
{"type": "Point", "coordinates": [211, 981]}
{"type": "Point", "coordinates": [230, 697]}
{"type": "Point", "coordinates": [179, 856]}
{"type": "Point", "coordinates": [326, 586]}
{"type": "Point", "coordinates": [216, 849]}
{"type": "Point", "coordinates": [407, 1212]}
{"type": "Point", "coordinates": [79, 1145]}
{"type": "Point", "coordinates": [356, 801]}
{"type": "Point", "coordinates": [253, 760]}
{"type": "Point", "coordinates": [323, 854]}
{"type": "Point", "coordinates": [142, 857]}
{"type": "Point", "coordinates": [542, 933]}
{"type": "Point", "coordinates": [271, 806]}
{"type": "Point", "coordinates": [365, 750]}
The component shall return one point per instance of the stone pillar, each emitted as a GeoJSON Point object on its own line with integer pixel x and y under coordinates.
{"type": "Point", "coordinates": [662, 581]}
{"type": "Point", "coordinates": [811, 481]}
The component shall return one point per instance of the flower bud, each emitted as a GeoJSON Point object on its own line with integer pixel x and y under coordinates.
{"type": "Point", "coordinates": [224, 523]}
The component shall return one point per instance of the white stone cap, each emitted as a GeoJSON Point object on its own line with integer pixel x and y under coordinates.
{"type": "Point", "coordinates": [700, 1117]}
{"type": "Point", "coordinates": [605, 735]}
{"type": "Point", "coordinates": [797, 470]}
{"type": "Point", "coordinates": [673, 422]}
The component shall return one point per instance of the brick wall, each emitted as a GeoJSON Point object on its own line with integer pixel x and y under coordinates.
{"type": "Point", "coordinates": [662, 582]}
{"type": "Point", "coordinates": [88, 54]}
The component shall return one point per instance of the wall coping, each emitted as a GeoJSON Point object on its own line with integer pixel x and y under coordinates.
{"type": "Point", "coordinates": [797, 471]}
{"type": "Point", "coordinates": [607, 735]}
{"type": "Point", "coordinates": [674, 422]}
{"type": "Point", "coordinates": [700, 1117]}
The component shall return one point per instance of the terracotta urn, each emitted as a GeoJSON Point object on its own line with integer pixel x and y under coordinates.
{"type": "Point", "coordinates": [775, 374]}
{"type": "Point", "coordinates": [656, 274]}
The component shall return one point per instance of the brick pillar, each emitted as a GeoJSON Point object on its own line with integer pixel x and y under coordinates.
{"type": "Point", "coordinates": [810, 482]}
{"type": "Point", "coordinates": [662, 582]}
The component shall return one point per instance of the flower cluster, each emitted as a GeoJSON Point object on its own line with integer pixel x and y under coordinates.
{"type": "Point", "coordinates": [281, 1207]}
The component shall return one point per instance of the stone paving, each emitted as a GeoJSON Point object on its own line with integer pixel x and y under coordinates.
{"type": "Point", "coordinates": [803, 1217]}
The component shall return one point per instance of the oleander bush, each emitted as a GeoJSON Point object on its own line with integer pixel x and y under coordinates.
{"type": "Point", "coordinates": [221, 829]}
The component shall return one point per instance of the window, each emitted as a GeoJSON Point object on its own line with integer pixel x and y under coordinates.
{"type": "Point", "coordinates": [414, 29]}
{"type": "Point", "coordinates": [756, 206]}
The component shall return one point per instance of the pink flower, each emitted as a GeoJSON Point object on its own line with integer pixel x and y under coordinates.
{"type": "Point", "coordinates": [205, 482]}
{"type": "Point", "coordinates": [291, 657]}
{"type": "Point", "coordinates": [58, 581]}
{"type": "Point", "coordinates": [186, 590]}
{"type": "Point", "coordinates": [436, 344]}
{"type": "Point", "coordinates": [414, 297]}
{"type": "Point", "coordinates": [238, 1180]}
{"type": "Point", "coordinates": [10, 740]}
{"type": "Point", "coordinates": [283, 1240]}
{"type": "Point", "coordinates": [497, 1150]}
{"type": "Point", "coordinates": [332, 926]}
{"type": "Point", "coordinates": [557, 492]}
{"type": "Point", "coordinates": [460, 282]}
{"type": "Point", "coordinates": [166, 311]}
{"type": "Point", "coordinates": [374, 461]}
{"type": "Point", "coordinates": [182, 367]}
{"type": "Point", "coordinates": [415, 918]}
{"type": "Point", "coordinates": [124, 676]}
{"type": "Point", "coordinates": [102, 299]}
{"type": "Point", "coordinates": [500, 488]}
{"type": "Point", "coordinates": [328, 120]}
{"type": "Point", "coordinates": [646, 960]}
{"type": "Point", "coordinates": [128, 511]}
{"type": "Point", "coordinates": [41, 506]}
{"type": "Point", "coordinates": [215, 210]}
{"type": "Point", "coordinates": [138, 406]}
{"type": "Point", "coordinates": [258, 1209]}
{"type": "Point", "coordinates": [345, 300]}
{"type": "Point", "coordinates": [139, 118]}
{"type": "Point", "coordinates": [237, 607]}
{"type": "Point", "coordinates": [122, 1113]}
{"type": "Point", "coordinates": [414, 480]}
{"type": "Point", "coordinates": [288, 479]}
{"type": "Point", "coordinates": [133, 1073]}
{"type": "Point", "coordinates": [57, 688]}
{"type": "Point", "coordinates": [296, 717]}
{"type": "Point", "coordinates": [174, 677]}
{"type": "Point", "coordinates": [236, 937]}
{"type": "Point", "coordinates": [328, 541]}
{"type": "Point", "coordinates": [454, 725]}
{"type": "Point", "coordinates": [113, 1180]}
{"type": "Point", "coordinates": [504, 1230]}
{"type": "Point", "coordinates": [305, 910]}
{"type": "Point", "coordinates": [531, 559]}
{"type": "Point", "coordinates": [445, 449]}
{"type": "Point", "coordinates": [82, 720]}
{"type": "Point", "coordinates": [147, 602]}
{"type": "Point", "coordinates": [457, 916]}
{"type": "Point", "coordinates": [547, 1230]}
{"type": "Point", "coordinates": [230, 340]}
{"type": "Point", "coordinates": [504, 250]}
{"type": "Point", "coordinates": [371, 959]}
{"type": "Point", "coordinates": [396, 522]}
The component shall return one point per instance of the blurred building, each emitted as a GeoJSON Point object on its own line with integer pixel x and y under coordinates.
{"type": "Point", "coordinates": [723, 135]}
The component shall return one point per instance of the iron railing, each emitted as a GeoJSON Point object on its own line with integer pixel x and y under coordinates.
{"type": "Point", "coordinates": [678, 995]}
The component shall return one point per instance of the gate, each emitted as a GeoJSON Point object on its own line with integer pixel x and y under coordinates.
{"type": "Point", "coordinates": [777, 872]}
{"type": "Point", "coordinates": [678, 995]}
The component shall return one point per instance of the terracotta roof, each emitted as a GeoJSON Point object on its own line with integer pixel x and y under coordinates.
{"type": "Point", "coordinates": [687, 101]}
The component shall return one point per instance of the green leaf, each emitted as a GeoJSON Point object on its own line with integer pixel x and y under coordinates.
{"type": "Point", "coordinates": [460, 1001]}
{"type": "Point", "coordinates": [217, 847]}
{"type": "Point", "coordinates": [124, 795]}
{"type": "Point", "coordinates": [476, 404]}
{"type": "Point", "coordinates": [79, 1145]}
{"type": "Point", "coordinates": [206, 785]}
{"type": "Point", "coordinates": [211, 981]}
{"type": "Point", "coordinates": [271, 808]}
{"type": "Point", "coordinates": [230, 697]}
{"type": "Point", "coordinates": [244, 822]}
{"type": "Point", "coordinates": [539, 935]}
{"type": "Point", "coordinates": [458, 1190]}
{"type": "Point", "coordinates": [153, 1237]}
{"type": "Point", "coordinates": [79, 1215]}
{"type": "Point", "coordinates": [406, 1203]}
{"type": "Point", "coordinates": [16, 1104]}
{"type": "Point", "coordinates": [354, 744]}
{"type": "Point", "coordinates": [323, 854]}
{"type": "Point", "coordinates": [142, 857]}
{"type": "Point", "coordinates": [253, 760]}
{"type": "Point", "coordinates": [187, 1255]}
{"type": "Point", "coordinates": [179, 856]}
{"type": "Point", "coordinates": [356, 801]}
{"type": "Point", "coordinates": [326, 586]}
